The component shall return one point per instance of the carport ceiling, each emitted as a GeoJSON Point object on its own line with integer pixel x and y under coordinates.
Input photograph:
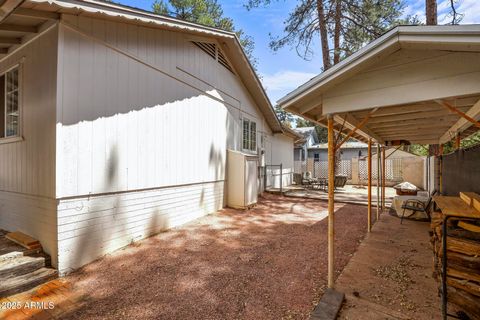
{"type": "Point", "coordinates": [413, 84]}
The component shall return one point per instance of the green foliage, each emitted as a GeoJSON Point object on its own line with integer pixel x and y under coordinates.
{"type": "Point", "coordinates": [418, 149]}
{"type": "Point", "coordinates": [471, 141]}
{"type": "Point", "coordinates": [449, 147]}
{"type": "Point", "coordinates": [366, 20]}
{"type": "Point", "coordinates": [285, 117]}
{"type": "Point", "coordinates": [360, 21]}
{"type": "Point", "coordinates": [205, 12]}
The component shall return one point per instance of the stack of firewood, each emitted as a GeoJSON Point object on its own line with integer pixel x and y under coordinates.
{"type": "Point", "coordinates": [463, 262]}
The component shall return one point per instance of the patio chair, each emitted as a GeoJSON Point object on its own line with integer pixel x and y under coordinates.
{"type": "Point", "coordinates": [307, 179]}
{"type": "Point", "coordinates": [338, 182]}
{"type": "Point", "coordinates": [416, 205]}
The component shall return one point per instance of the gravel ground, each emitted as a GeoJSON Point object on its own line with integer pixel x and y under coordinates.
{"type": "Point", "coordinates": [266, 263]}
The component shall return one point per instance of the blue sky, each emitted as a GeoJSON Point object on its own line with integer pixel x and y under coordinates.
{"type": "Point", "coordinates": [284, 70]}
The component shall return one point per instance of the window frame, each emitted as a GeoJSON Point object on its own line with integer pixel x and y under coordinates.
{"type": "Point", "coordinates": [19, 135]}
{"type": "Point", "coordinates": [249, 140]}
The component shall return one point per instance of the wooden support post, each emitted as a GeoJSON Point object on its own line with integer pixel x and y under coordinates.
{"type": "Point", "coordinates": [369, 185]}
{"type": "Point", "coordinates": [378, 181]}
{"type": "Point", "coordinates": [384, 163]}
{"type": "Point", "coordinates": [331, 202]}
{"type": "Point", "coordinates": [457, 141]}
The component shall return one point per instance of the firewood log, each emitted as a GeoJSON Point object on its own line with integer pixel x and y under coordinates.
{"type": "Point", "coordinates": [469, 303]}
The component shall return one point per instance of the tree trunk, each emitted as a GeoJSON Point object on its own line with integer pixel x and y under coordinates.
{"type": "Point", "coordinates": [322, 22]}
{"type": "Point", "coordinates": [431, 12]}
{"type": "Point", "coordinates": [336, 36]}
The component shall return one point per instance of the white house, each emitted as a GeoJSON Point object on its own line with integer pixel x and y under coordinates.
{"type": "Point", "coordinates": [100, 101]}
{"type": "Point", "coordinates": [310, 138]}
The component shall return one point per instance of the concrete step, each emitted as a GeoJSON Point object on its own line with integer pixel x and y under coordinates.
{"type": "Point", "coordinates": [26, 281]}
{"type": "Point", "coordinates": [21, 265]}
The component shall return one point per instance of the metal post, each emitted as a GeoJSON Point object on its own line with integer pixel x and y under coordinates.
{"type": "Point", "coordinates": [331, 202]}
{"type": "Point", "coordinates": [369, 185]}
{"type": "Point", "coordinates": [440, 168]}
{"type": "Point", "coordinates": [384, 160]}
{"type": "Point", "coordinates": [265, 178]}
{"type": "Point", "coordinates": [378, 181]}
{"type": "Point", "coordinates": [281, 179]}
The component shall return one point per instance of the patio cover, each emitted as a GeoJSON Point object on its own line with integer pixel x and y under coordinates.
{"type": "Point", "coordinates": [407, 85]}
{"type": "Point", "coordinates": [415, 84]}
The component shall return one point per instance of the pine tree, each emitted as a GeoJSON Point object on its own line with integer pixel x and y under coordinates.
{"type": "Point", "coordinates": [348, 24]}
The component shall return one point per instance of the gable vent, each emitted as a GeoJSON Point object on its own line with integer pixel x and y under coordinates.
{"type": "Point", "coordinates": [215, 52]}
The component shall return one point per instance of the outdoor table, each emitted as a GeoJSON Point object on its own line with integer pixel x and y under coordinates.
{"type": "Point", "coordinates": [451, 207]}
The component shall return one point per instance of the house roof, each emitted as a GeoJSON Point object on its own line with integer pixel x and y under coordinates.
{"type": "Point", "coordinates": [346, 145]}
{"type": "Point", "coordinates": [307, 131]}
{"type": "Point", "coordinates": [23, 19]}
{"type": "Point", "coordinates": [298, 137]}
{"type": "Point", "coordinates": [402, 83]}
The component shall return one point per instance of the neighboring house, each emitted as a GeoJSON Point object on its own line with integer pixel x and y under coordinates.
{"type": "Point", "coordinates": [348, 151]}
{"type": "Point", "coordinates": [310, 138]}
{"type": "Point", "coordinates": [118, 123]}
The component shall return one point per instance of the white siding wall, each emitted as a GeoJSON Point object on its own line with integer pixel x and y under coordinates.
{"type": "Point", "coordinates": [281, 153]}
{"type": "Point", "coordinates": [144, 122]}
{"type": "Point", "coordinates": [90, 227]}
{"type": "Point", "coordinates": [27, 167]}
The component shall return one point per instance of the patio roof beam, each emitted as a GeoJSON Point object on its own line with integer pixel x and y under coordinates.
{"type": "Point", "coordinates": [463, 123]}
{"type": "Point", "coordinates": [30, 13]}
{"type": "Point", "coordinates": [355, 128]}
{"type": "Point", "coordinates": [18, 28]}
{"type": "Point", "coordinates": [409, 116]}
{"type": "Point", "coordinates": [6, 40]}
{"type": "Point", "coordinates": [447, 118]}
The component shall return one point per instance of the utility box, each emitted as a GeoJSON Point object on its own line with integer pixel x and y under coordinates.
{"type": "Point", "coordinates": [242, 179]}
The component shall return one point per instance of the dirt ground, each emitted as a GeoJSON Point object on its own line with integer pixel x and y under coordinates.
{"type": "Point", "coordinates": [266, 263]}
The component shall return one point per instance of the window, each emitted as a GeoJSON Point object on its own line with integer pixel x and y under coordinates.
{"type": "Point", "coordinates": [9, 110]}
{"type": "Point", "coordinates": [316, 157]}
{"type": "Point", "coordinates": [249, 135]}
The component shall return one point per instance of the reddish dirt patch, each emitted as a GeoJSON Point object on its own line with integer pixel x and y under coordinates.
{"type": "Point", "coordinates": [266, 263]}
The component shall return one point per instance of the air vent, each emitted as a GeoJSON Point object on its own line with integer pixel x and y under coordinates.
{"type": "Point", "coordinates": [213, 51]}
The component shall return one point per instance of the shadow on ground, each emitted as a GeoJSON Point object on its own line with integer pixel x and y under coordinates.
{"type": "Point", "coordinates": [266, 263]}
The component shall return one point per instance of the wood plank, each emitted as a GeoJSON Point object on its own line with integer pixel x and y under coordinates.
{"type": "Point", "coordinates": [454, 206]}
{"type": "Point", "coordinates": [464, 285]}
{"type": "Point", "coordinates": [329, 305]}
{"type": "Point", "coordinates": [18, 28]}
{"type": "Point", "coordinates": [469, 226]}
{"type": "Point", "coordinates": [472, 276]}
{"type": "Point", "coordinates": [471, 198]}
{"type": "Point", "coordinates": [22, 239]}
{"type": "Point", "coordinates": [468, 302]}
{"type": "Point", "coordinates": [7, 40]}
{"type": "Point", "coordinates": [468, 247]}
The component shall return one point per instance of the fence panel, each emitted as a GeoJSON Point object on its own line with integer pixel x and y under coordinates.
{"type": "Point", "coordinates": [320, 169]}
{"type": "Point", "coordinates": [393, 170]}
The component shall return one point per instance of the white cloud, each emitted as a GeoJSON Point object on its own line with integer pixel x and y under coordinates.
{"type": "Point", "coordinates": [282, 82]}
